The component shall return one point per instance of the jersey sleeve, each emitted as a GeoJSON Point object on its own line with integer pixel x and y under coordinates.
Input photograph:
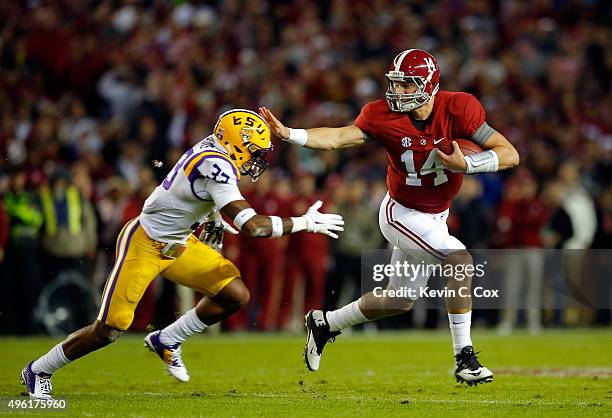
{"type": "Point", "coordinates": [224, 193]}
{"type": "Point", "coordinates": [219, 169]}
{"type": "Point", "coordinates": [365, 123]}
{"type": "Point", "coordinates": [471, 115]}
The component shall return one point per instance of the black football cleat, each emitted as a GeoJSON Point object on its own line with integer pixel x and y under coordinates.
{"type": "Point", "coordinates": [469, 369]}
{"type": "Point", "coordinates": [318, 334]}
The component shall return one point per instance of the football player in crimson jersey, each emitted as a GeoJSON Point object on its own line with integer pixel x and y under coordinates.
{"type": "Point", "coordinates": [411, 124]}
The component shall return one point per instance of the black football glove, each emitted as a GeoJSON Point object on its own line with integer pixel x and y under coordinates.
{"type": "Point", "coordinates": [212, 233]}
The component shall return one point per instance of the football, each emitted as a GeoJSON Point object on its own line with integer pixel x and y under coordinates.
{"type": "Point", "coordinates": [467, 146]}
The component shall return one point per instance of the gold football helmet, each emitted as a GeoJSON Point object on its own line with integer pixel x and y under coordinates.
{"type": "Point", "coordinates": [246, 138]}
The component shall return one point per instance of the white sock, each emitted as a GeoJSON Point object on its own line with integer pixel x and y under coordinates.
{"type": "Point", "coordinates": [182, 328]}
{"type": "Point", "coordinates": [460, 325]}
{"type": "Point", "coordinates": [345, 317]}
{"type": "Point", "coordinates": [50, 362]}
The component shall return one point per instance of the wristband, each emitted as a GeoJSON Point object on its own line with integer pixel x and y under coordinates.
{"type": "Point", "coordinates": [277, 227]}
{"type": "Point", "coordinates": [297, 136]}
{"type": "Point", "coordinates": [243, 216]}
{"type": "Point", "coordinates": [482, 162]}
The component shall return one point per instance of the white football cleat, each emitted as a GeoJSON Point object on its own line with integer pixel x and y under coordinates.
{"type": "Point", "coordinates": [469, 369]}
{"type": "Point", "coordinates": [171, 355]}
{"type": "Point", "coordinates": [38, 384]}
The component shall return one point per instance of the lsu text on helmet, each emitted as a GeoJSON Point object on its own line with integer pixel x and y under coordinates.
{"type": "Point", "coordinates": [246, 138]}
{"type": "Point", "coordinates": [412, 66]}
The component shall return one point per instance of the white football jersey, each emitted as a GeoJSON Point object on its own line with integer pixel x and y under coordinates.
{"type": "Point", "coordinates": [203, 180]}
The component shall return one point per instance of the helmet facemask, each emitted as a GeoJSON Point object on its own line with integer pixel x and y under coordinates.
{"type": "Point", "coordinates": [257, 163]}
{"type": "Point", "coordinates": [405, 102]}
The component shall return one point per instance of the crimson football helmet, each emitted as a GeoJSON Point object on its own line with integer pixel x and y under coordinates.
{"type": "Point", "coordinates": [412, 66]}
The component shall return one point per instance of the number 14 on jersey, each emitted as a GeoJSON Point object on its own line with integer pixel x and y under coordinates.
{"type": "Point", "coordinates": [431, 165]}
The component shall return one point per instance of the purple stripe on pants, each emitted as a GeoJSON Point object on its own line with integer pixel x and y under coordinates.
{"type": "Point", "coordinates": [118, 272]}
{"type": "Point", "coordinates": [116, 255]}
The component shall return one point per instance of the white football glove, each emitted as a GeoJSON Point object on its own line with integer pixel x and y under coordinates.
{"type": "Point", "coordinates": [212, 233]}
{"type": "Point", "coordinates": [323, 223]}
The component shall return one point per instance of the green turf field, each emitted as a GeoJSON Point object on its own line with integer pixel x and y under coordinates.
{"type": "Point", "coordinates": [561, 373]}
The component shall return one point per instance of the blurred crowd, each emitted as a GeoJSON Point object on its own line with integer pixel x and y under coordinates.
{"type": "Point", "coordinates": [92, 92]}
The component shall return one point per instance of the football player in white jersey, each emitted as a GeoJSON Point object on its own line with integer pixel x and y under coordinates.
{"type": "Point", "coordinates": [203, 183]}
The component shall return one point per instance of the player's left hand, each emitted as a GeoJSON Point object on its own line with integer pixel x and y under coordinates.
{"type": "Point", "coordinates": [276, 126]}
{"type": "Point", "coordinates": [212, 233]}
{"type": "Point", "coordinates": [455, 161]}
{"type": "Point", "coordinates": [323, 223]}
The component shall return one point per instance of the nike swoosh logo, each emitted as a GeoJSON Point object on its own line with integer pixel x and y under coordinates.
{"type": "Point", "coordinates": [474, 374]}
{"type": "Point", "coordinates": [437, 141]}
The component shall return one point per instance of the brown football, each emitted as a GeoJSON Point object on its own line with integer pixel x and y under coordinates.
{"type": "Point", "coordinates": [467, 147]}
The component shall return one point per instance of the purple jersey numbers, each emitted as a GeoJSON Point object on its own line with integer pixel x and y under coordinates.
{"type": "Point", "coordinates": [172, 175]}
{"type": "Point", "coordinates": [218, 175]}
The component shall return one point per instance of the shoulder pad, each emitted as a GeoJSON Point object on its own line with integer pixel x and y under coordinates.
{"type": "Point", "coordinates": [459, 102]}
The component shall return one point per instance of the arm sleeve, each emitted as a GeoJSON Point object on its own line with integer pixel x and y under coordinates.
{"type": "Point", "coordinates": [482, 134]}
{"type": "Point", "coordinates": [364, 122]}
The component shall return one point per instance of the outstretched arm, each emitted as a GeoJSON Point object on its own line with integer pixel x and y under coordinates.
{"type": "Point", "coordinates": [260, 226]}
{"type": "Point", "coordinates": [317, 138]}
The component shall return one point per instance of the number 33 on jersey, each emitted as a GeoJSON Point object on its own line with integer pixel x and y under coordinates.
{"type": "Point", "coordinates": [203, 180]}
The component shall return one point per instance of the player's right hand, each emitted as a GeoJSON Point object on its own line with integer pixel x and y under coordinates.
{"type": "Point", "coordinates": [323, 223]}
{"type": "Point", "coordinates": [275, 125]}
{"type": "Point", "coordinates": [212, 233]}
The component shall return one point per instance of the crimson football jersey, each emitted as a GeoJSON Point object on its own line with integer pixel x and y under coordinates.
{"type": "Point", "coordinates": [415, 177]}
